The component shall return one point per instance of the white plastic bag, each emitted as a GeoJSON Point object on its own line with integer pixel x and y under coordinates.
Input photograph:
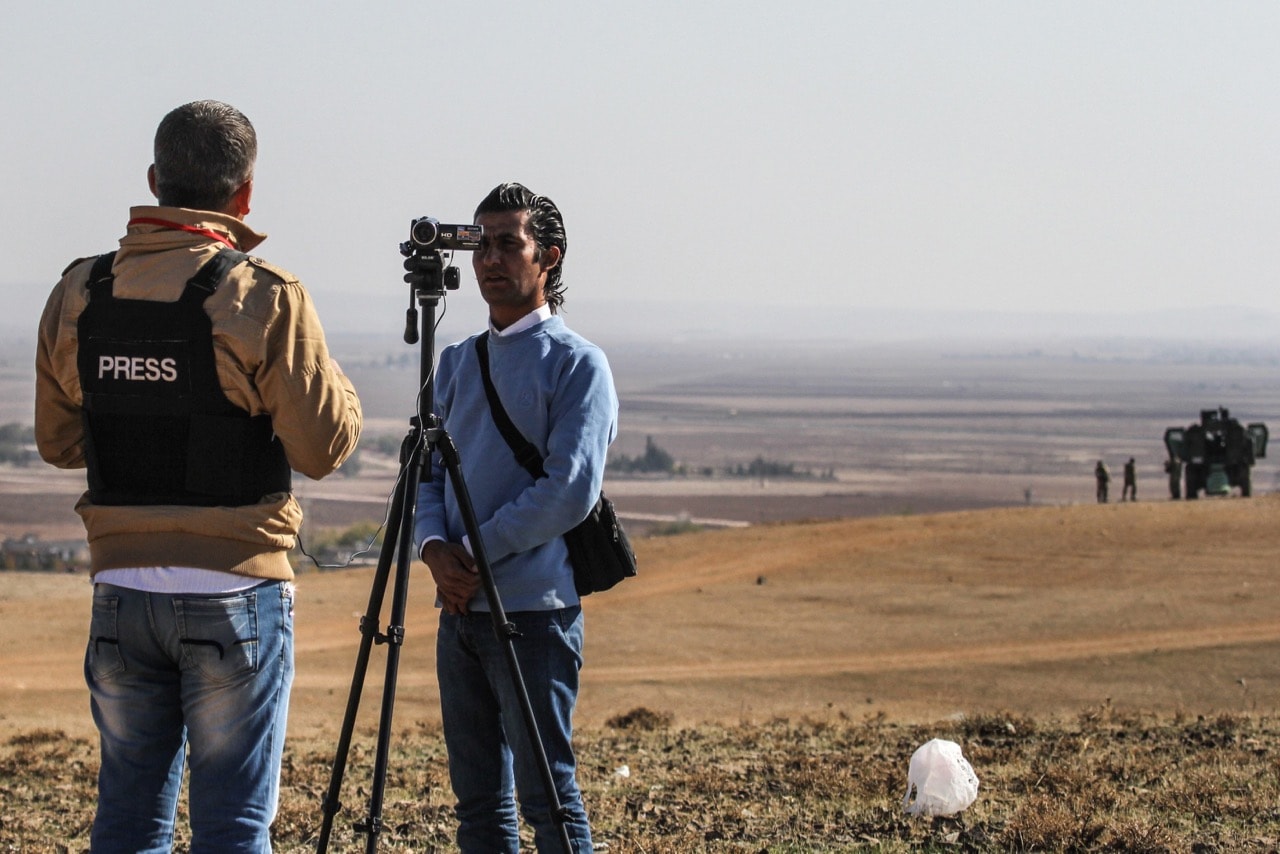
{"type": "Point", "coordinates": [942, 778]}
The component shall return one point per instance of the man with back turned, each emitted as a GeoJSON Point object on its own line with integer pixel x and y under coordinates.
{"type": "Point", "coordinates": [558, 391]}
{"type": "Point", "coordinates": [190, 379]}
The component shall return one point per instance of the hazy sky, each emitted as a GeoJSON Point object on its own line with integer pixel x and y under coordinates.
{"type": "Point", "coordinates": [721, 158]}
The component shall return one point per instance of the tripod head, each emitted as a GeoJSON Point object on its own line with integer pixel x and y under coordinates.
{"type": "Point", "coordinates": [426, 270]}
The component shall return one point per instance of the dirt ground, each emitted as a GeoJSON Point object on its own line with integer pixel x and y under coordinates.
{"type": "Point", "coordinates": [1044, 609]}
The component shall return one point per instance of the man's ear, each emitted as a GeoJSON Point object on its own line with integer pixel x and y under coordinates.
{"type": "Point", "coordinates": [151, 180]}
{"type": "Point", "coordinates": [239, 206]}
{"type": "Point", "coordinates": [550, 258]}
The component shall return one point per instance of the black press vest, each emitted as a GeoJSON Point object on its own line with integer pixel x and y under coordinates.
{"type": "Point", "coordinates": [158, 429]}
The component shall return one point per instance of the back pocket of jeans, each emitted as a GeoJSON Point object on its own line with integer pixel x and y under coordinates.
{"type": "Point", "coordinates": [104, 656]}
{"type": "Point", "coordinates": [219, 636]}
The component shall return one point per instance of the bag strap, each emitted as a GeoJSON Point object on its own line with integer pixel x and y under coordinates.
{"type": "Point", "coordinates": [101, 272]}
{"type": "Point", "coordinates": [526, 454]}
{"type": "Point", "coordinates": [210, 275]}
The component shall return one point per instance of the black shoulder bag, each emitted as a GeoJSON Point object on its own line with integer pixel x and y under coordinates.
{"type": "Point", "coordinates": [599, 549]}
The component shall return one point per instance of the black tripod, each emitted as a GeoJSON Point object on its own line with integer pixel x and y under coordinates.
{"type": "Point", "coordinates": [428, 278]}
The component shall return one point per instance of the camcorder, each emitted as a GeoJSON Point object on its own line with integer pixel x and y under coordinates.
{"type": "Point", "coordinates": [426, 268]}
{"type": "Point", "coordinates": [428, 233]}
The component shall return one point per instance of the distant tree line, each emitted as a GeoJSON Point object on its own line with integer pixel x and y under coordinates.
{"type": "Point", "coordinates": [15, 439]}
{"type": "Point", "coordinates": [29, 552]}
{"type": "Point", "coordinates": [760, 468]}
{"type": "Point", "coordinates": [656, 460]}
{"type": "Point", "coordinates": [332, 547]}
{"type": "Point", "coordinates": [358, 536]}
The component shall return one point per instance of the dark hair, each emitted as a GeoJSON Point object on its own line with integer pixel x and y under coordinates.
{"type": "Point", "coordinates": [545, 224]}
{"type": "Point", "coordinates": [204, 152]}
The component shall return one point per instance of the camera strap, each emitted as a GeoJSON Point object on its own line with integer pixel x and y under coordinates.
{"type": "Point", "coordinates": [526, 454]}
{"type": "Point", "coordinates": [599, 551]}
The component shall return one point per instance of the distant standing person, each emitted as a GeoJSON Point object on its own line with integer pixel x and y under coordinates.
{"type": "Point", "coordinates": [1130, 491]}
{"type": "Point", "coordinates": [1173, 467]}
{"type": "Point", "coordinates": [1103, 475]}
{"type": "Point", "coordinates": [189, 379]}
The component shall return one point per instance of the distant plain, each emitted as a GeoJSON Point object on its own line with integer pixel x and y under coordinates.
{"type": "Point", "coordinates": [903, 428]}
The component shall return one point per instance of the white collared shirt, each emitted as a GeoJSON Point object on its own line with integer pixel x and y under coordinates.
{"type": "Point", "coordinates": [530, 320]}
{"type": "Point", "coordinates": [176, 580]}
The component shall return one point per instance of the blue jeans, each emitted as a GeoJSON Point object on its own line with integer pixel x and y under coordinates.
{"type": "Point", "coordinates": [208, 676]}
{"type": "Point", "coordinates": [490, 755]}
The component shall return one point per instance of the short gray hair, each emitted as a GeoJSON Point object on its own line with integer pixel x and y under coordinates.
{"type": "Point", "coordinates": [204, 152]}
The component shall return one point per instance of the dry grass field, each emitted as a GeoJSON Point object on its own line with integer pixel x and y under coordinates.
{"type": "Point", "coordinates": [1113, 671]}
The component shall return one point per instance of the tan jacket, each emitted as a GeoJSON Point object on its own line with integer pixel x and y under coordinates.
{"type": "Point", "coordinates": [271, 358]}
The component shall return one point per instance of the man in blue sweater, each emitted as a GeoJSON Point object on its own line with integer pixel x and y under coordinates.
{"type": "Point", "coordinates": [558, 391]}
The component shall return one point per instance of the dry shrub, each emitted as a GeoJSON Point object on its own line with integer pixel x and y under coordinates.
{"type": "Point", "coordinates": [1044, 823]}
{"type": "Point", "coordinates": [640, 718]}
{"type": "Point", "coordinates": [1142, 836]}
{"type": "Point", "coordinates": [38, 737]}
{"type": "Point", "coordinates": [998, 726]}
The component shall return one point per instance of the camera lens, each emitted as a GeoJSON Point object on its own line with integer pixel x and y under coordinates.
{"type": "Point", "coordinates": [424, 231]}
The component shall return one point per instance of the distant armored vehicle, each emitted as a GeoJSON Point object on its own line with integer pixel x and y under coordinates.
{"type": "Point", "coordinates": [1216, 454]}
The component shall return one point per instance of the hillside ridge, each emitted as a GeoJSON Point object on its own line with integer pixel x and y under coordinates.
{"type": "Point", "coordinates": [1163, 606]}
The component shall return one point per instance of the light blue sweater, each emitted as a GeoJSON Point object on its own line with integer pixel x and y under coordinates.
{"type": "Point", "coordinates": [558, 391]}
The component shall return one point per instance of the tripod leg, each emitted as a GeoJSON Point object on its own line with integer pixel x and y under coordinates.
{"type": "Point", "coordinates": [504, 629]}
{"type": "Point", "coordinates": [369, 635]}
{"type": "Point", "coordinates": [396, 546]}
{"type": "Point", "coordinates": [394, 639]}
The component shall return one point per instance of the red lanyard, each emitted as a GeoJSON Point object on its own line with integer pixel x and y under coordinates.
{"type": "Point", "coordinates": [164, 223]}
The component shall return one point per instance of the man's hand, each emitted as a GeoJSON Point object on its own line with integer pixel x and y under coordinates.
{"type": "Point", "coordinates": [455, 574]}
